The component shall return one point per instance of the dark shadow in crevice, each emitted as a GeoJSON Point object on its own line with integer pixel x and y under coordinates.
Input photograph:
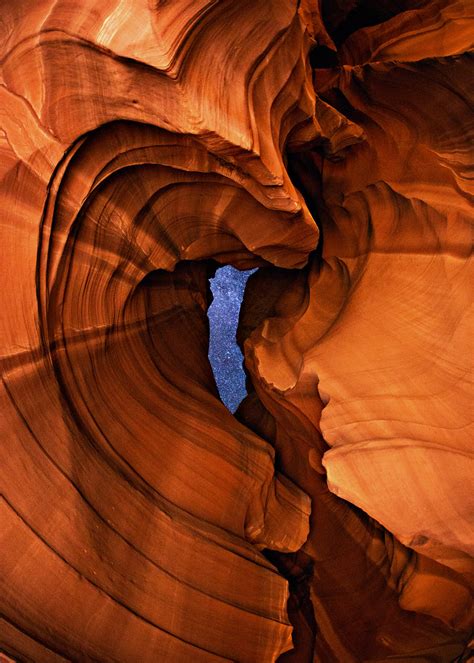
{"type": "Point", "coordinates": [341, 22]}
{"type": "Point", "coordinates": [322, 57]}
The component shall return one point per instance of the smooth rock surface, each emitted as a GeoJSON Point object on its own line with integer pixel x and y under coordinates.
{"type": "Point", "coordinates": [141, 143]}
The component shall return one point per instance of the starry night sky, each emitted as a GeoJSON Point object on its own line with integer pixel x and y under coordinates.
{"type": "Point", "coordinates": [227, 287]}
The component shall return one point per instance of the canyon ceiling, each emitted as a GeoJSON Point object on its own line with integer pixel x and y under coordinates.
{"type": "Point", "coordinates": [143, 144]}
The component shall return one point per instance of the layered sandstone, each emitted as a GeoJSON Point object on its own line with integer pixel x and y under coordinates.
{"type": "Point", "coordinates": [143, 144]}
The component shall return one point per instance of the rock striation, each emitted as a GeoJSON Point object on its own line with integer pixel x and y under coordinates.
{"type": "Point", "coordinates": [329, 145]}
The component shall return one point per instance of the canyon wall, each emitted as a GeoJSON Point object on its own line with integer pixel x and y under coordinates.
{"type": "Point", "coordinates": [143, 144]}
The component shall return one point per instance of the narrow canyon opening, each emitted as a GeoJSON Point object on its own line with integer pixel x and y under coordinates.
{"type": "Point", "coordinates": [225, 357]}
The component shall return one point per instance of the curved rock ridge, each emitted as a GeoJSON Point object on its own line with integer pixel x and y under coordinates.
{"type": "Point", "coordinates": [142, 144]}
{"type": "Point", "coordinates": [430, 29]}
{"type": "Point", "coordinates": [362, 362]}
{"type": "Point", "coordinates": [134, 504]}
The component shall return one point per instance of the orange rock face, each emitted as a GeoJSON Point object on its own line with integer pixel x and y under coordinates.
{"type": "Point", "coordinates": [330, 145]}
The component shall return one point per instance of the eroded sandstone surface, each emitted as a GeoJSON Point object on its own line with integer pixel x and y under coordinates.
{"type": "Point", "coordinates": [329, 145]}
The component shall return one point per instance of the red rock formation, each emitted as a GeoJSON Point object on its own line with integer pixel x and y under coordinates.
{"type": "Point", "coordinates": [140, 140]}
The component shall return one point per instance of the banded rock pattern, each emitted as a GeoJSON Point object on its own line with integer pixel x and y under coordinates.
{"type": "Point", "coordinates": [142, 144]}
{"type": "Point", "coordinates": [361, 365]}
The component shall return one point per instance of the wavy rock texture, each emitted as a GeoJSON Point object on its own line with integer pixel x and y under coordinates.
{"type": "Point", "coordinates": [143, 144]}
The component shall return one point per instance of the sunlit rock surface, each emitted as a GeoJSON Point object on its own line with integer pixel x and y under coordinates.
{"type": "Point", "coordinates": [331, 147]}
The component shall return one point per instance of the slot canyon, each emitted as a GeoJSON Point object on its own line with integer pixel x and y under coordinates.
{"type": "Point", "coordinates": [319, 506]}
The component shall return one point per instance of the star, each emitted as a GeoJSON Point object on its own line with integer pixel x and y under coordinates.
{"type": "Point", "coordinates": [226, 359]}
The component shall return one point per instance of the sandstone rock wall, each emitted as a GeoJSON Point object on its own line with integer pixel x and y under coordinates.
{"type": "Point", "coordinates": [143, 143]}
